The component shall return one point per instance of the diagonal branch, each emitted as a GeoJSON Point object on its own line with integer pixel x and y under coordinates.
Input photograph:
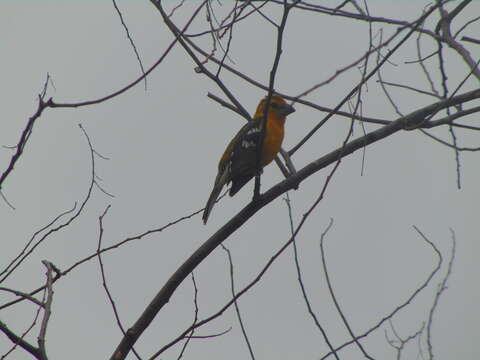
{"type": "Point", "coordinates": [163, 296]}
{"type": "Point", "coordinates": [200, 66]}
{"type": "Point", "coordinates": [364, 80]}
{"type": "Point", "coordinates": [414, 294]}
{"type": "Point", "coordinates": [14, 338]}
{"type": "Point", "coordinates": [237, 308]}
{"type": "Point", "coordinates": [271, 85]}
{"type": "Point", "coordinates": [47, 311]}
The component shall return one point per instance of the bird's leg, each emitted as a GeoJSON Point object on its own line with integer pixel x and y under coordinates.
{"type": "Point", "coordinates": [288, 162]}
{"type": "Point", "coordinates": [256, 189]}
{"type": "Point", "coordinates": [290, 168]}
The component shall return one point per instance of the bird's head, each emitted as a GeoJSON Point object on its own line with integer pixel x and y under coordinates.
{"type": "Point", "coordinates": [278, 106]}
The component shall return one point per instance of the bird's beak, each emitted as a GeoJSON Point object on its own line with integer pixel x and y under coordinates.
{"type": "Point", "coordinates": [286, 109]}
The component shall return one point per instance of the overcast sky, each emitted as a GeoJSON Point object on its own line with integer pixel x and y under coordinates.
{"type": "Point", "coordinates": [163, 145]}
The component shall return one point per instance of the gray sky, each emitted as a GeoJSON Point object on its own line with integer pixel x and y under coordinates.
{"type": "Point", "coordinates": [163, 145]}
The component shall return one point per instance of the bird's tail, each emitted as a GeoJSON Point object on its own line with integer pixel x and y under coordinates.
{"type": "Point", "coordinates": [220, 181]}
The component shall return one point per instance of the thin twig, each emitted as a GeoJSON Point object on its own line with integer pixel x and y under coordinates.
{"type": "Point", "coordinates": [19, 258]}
{"type": "Point", "coordinates": [47, 310]}
{"type": "Point", "coordinates": [22, 336]}
{"type": "Point", "coordinates": [237, 308]}
{"type": "Point", "coordinates": [23, 295]}
{"type": "Point", "coordinates": [453, 146]}
{"type": "Point", "coordinates": [18, 340]}
{"type": "Point", "coordinates": [409, 88]}
{"type": "Point", "coordinates": [470, 39]}
{"type": "Point", "coordinates": [441, 288]}
{"type": "Point", "coordinates": [132, 43]}
{"type": "Point", "coordinates": [411, 120]}
{"type": "Point", "coordinates": [415, 293]}
{"type": "Point", "coordinates": [109, 248]}
{"type": "Point", "coordinates": [195, 319]}
{"type": "Point", "coordinates": [299, 272]}
{"type": "Point", "coordinates": [365, 79]}
{"type": "Point", "coordinates": [332, 293]}
{"type": "Point", "coordinates": [402, 342]}
{"type": "Point", "coordinates": [104, 278]}
{"type": "Point", "coordinates": [257, 278]}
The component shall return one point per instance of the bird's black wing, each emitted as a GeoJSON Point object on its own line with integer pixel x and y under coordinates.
{"type": "Point", "coordinates": [243, 163]}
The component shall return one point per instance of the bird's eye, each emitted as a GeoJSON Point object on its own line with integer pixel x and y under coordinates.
{"type": "Point", "coordinates": [274, 105]}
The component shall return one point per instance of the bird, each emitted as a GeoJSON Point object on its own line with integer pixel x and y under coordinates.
{"type": "Point", "coordinates": [239, 162]}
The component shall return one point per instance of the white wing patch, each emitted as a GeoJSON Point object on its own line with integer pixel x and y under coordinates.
{"type": "Point", "coordinates": [247, 144]}
{"type": "Point", "coordinates": [253, 131]}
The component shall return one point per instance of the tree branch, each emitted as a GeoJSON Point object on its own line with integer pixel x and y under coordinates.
{"type": "Point", "coordinates": [412, 120]}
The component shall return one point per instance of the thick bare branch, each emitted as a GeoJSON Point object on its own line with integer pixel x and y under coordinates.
{"type": "Point", "coordinates": [410, 121]}
{"type": "Point", "coordinates": [47, 310]}
{"type": "Point", "coordinates": [14, 338]}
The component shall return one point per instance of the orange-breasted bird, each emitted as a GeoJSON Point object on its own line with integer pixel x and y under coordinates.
{"type": "Point", "coordinates": [239, 162]}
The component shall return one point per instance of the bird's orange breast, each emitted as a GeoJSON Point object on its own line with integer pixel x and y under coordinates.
{"type": "Point", "coordinates": [273, 139]}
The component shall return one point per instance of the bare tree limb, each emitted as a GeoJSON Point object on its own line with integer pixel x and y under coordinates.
{"type": "Point", "coordinates": [452, 146]}
{"type": "Point", "coordinates": [364, 80]}
{"type": "Point", "coordinates": [299, 275]}
{"type": "Point", "coordinates": [15, 262]}
{"type": "Point", "coordinates": [237, 308]}
{"type": "Point", "coordinates": [195, 319]}
{"type": "Point", "coordinates": [402, 342]}
{"type": "Point", "coordinates": [47, 311]}
{"type": "Point", "coordinates": [22, 336]}
{"type": "Point", "coordinates": [14, 338]}
{"type": "Point", "coordinates": [405, 303]}
{"type": "Point", "coordinates": [410, 121]}
{"type": "Point", "coordinates": [23, 295]}
{"type": "Point", "coordinates": [130, 39]}
{"type": "Point", "coordinates": [470, 39]}
{"type": "Point", "coordinates": [334, 297]}
{"type": "Point", "coordinates": [104, 278]}
{"type": "Point", "coordinates": [441, 288]}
